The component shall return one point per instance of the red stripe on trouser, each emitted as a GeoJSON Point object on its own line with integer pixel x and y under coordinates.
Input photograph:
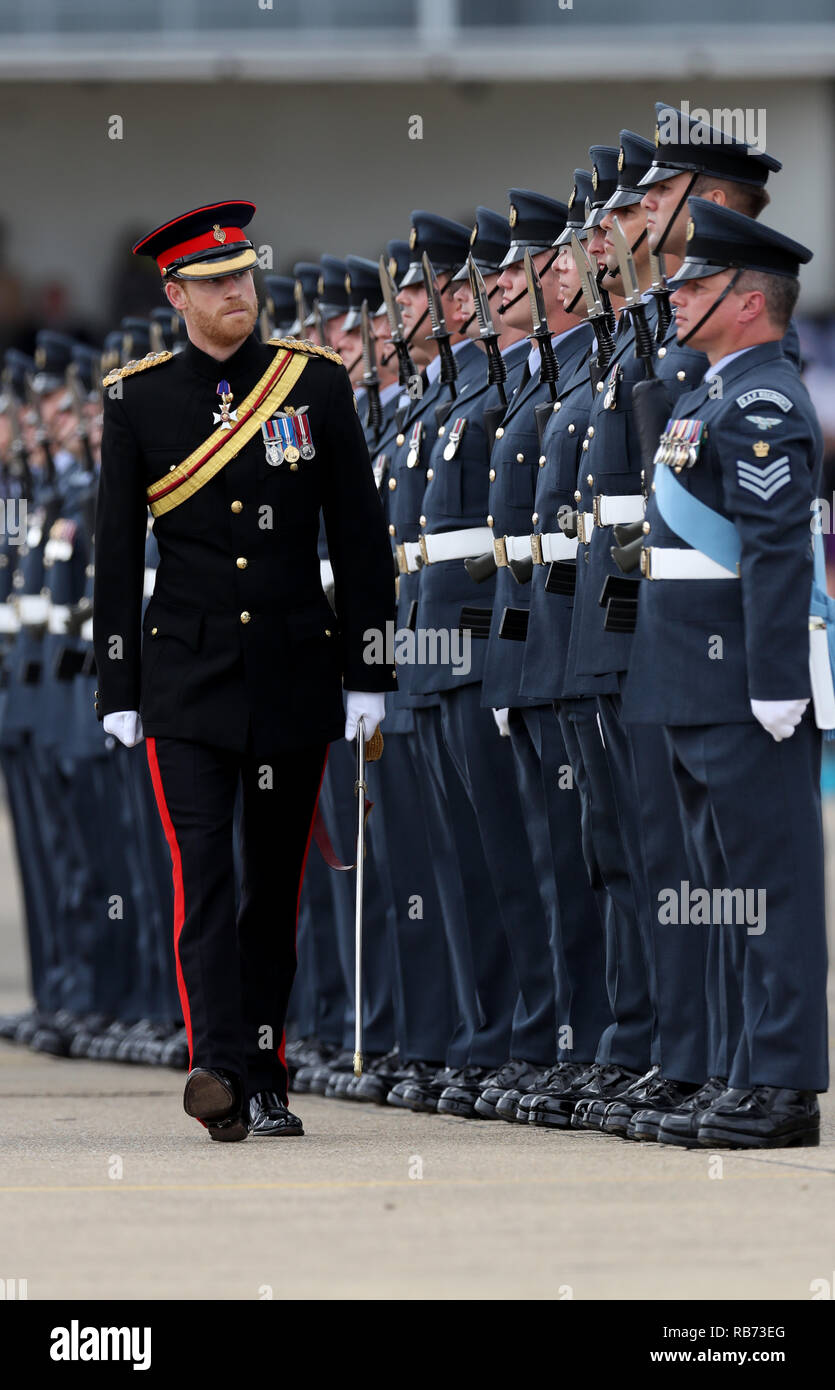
{"type": "Point", "coordinates": [177, 873]}
{"type": "Point", "coordinates": [283, 1042]}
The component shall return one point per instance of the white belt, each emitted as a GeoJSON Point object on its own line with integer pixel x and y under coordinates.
{"type": "Point", "coordinates": [9, 621]}
{"type": "Point", "coordinates": [87, 630]}
{"type": "Point", "coordinates": [554, 545]}
{"type": "Point", "coordinates": [59, 616]}
{"type": "Point", "coordinates": [508, 548]}
{"type": "Point", "coordinates": [658, 563]}
{"type": "Point", "coordinates": [149, 582]}
{"type": "Point", "coordinates": [325, 573]}
{"type": "Point", "coordinates": [456, 545]}
{"type": "Point", "coordinates": [585, 522]}
{"type": "Point", "coordinates": [617, 511]}
{"type": "Point", "coordinates": [33, 609]}
{"type": "Point", "coordinates": [409, 558]}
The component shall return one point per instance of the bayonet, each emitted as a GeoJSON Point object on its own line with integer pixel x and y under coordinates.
{"type": "Point", "coordinates": [319, 321]}
{"type": "Point", "coordinates": [594, 303]}
{"type": "Point", "coordinates": [658, 288]}
{"type": "Point", "coordinates": [302, 310]}
{"type": "Point", "coordinates": [549, 369]}
{"type": "Point", "coordinates": [496, 365]}
{"type": "Point", "coordinates": [405, 364]}
{"type": "Point", "coordinates": [634, 303]}
{"type": "Point", "coordinates": [77, 398]}
{"type": "Point", "coordinates": [440, 332]}
{"type": "Point", "coordinates": [370, 377]}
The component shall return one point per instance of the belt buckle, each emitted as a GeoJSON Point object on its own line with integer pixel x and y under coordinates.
{"type": "Point", "coordinates": [400, 552]}
{"type": "Point", "coordinates": [595, 508]}
{"type": "Point", "coordinates": [581, 527]}
{"type": "Point", "coordinates": [536, 549]}
{"type": "Point", "coordinates": [646, 562]}
{"type": "Point", "coordinates": [423, 551]}
{"type": "Point", "coordinates": [500, 551]}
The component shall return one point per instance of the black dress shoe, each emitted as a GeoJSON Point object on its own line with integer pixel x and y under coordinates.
{"type": "Point", "coordinates": [659, 1093]}
{"type": "Point", "coordinates": [378, 1078]}
{"type": "Point", "coordinates": [599, 1081]}
{"type": "Point", "coordinates": [460, 1097]}
{"type": "Point", "coordinates": [422, 1087]}
{"type": "Point", "coordinates": [761, 1117]}
{"type": "Point", "coordinates": [598, 1092]}
{"type": "Point", "coordinates": [680, 1127]}
{"type": "Point", "coordinates": [174, 1051]}
{"type": "Point", "coordinates": [214, 1096]}
{"type": "Point", "coordinates": [314, 1079]}
{"type": "Point", "coordinates": [268, 1115]}
{"type": "Point", "coordinates": [306, 1055]}
{"type": "Point", "coordinates": [555, 1081]}
{"type": "Point", "coordinates": [9, 1023]}
{"type": "Point", "coordinates": [512, 1078]}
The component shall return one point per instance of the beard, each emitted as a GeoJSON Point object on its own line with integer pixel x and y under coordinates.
{"type": "Point", "coordinates": [221, 330]}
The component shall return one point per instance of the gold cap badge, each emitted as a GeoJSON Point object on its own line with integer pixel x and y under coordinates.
{"type": "Point", "coordinates": [413, 238]}
{"type": "Point", "coordinates": [594, 177]}
{"type": "Point", "coordinates": [347, 284]}
{"type": "Point", "coordinates": [393, 267]}
{"type": "Point", "coordinates": [320, 285]}
{"type": "Point", "coordinates": [513, 215]}
{"type": "Point", "coordinates": [621, 159]}
{"type": "Point", "coordinates": [573, 196]}
{"type": "Point", "coordinates": [657, 136]}
{"type": "Point", "coordinates": [691, 229]}
{"type": "Point", "coordinates": [474, 235]}
{"type": "Point", "coordinates": [218, 233]}
{"type": "Point", "coordinates": [40, 357]}
{"type": "Point", "coordinates": [761, 449]}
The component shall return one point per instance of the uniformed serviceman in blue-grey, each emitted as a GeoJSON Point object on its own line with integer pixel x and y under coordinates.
{"type": "Point", "coordinates": [722, 661]}
{"type": "Point", "coordinates": [548, 816]}
{"type": "Point", "coordinates": [484, 991]}
{"type": "Point", "coordinates": [691, 1033]}
{"type": "Point", "coordinates": [453, 530]}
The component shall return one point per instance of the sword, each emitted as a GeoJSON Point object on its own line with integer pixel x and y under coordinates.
{"type": "Point", "coordinates": [634, 303]}
{"type": "Point", "coordinates": [658, 288]}
{"type": "Point", "coordinates": [360, 790]}
{"type": "Point", "coordinates": [594, 304]}
{"type": "Point", "coordinates": [440, 332]}
{"type": "Point", "coordinates": [496, 365]}
{"type": "Point", "coordinates": [549, 368]}
{"type": "Point", "coordinates": [370, 377]}
{"type": "Point", "coordinates": [405, 364]}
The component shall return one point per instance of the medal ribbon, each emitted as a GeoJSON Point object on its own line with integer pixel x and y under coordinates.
{"type": "Point", "coordinates": [222, 445]}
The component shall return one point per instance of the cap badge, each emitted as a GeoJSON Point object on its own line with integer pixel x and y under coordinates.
{"type": "Point", "coordinates": [573, 196]}
{"type": "Point", "coordinates": [347, 284]}
{"type": "Point", "coordinates": [320, 285]}
{"type": "Point", "coordinates": [594, 177]}
{"type": "Point", "coordinates": [657, 136]}
{"type": "Point", "coordinates": [473, 235]}
{"type": "Point", "coordinates": [218, 233]}
{"type": "Point", "coordinates": [40, 357]}
{"type": "Point", "coordinates": [691, 229]}
{"type": "Point", "coordinates": [621, 159]}
{"type": "Point", "coordinates": [513, 215]}
{"type": "Point", "coordinates": [392, 266]}
{"type": "Point", "coordinates": [413, 238]}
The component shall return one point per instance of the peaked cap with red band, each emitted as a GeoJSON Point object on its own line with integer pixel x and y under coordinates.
{"type": "Point", "coordinates": [203, 244]}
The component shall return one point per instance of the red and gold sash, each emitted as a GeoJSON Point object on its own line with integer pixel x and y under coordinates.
{"type": "Point", "coordinates": [215, 452]}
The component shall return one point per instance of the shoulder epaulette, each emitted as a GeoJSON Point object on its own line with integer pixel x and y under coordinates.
{"type": "Point", "coordinates": [304, 345]}
{"type": "Point", "coordinates": [151, 359]}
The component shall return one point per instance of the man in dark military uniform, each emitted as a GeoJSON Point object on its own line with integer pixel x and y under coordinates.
{"type": "Point", "coordinates": [236, 446]}
{"type": "Point", "coordinates": [721, 659]}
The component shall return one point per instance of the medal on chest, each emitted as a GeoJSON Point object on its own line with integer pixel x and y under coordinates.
{"type": "Point", "coordinates": [226, 414]}
{"type": "Point", "coordinates": [414, 444]}
{"type": "Point", "coordinates": [610, 400]}
{"type": "Point", "coordinates": [380, 467]}
{"type": "Point", "coordinates": [680, 443]}
{"type": "Point", "coordinates": [287, 436]}
{"type": "Point", "coordinates": [455, 436]}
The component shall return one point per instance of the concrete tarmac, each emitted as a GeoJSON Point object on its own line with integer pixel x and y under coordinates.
{"type": "Point", "coordinates": [108, 1190]}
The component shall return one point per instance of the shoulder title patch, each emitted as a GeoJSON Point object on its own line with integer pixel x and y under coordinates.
{"type": "Point", "coordinates": [304, 345]}
{"type": "Point", "coordinates": [763, 393]}
{"type": "Point", "coordinates": [151, 359]}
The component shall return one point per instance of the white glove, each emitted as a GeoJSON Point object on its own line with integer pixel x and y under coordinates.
{"type": "Point", "coordinates": [779, 718]}
{"type": "Point", "coordinates": [369, 704]}
{"type": "Point", "coordinates": [126, 726]}
{"type": "Point", "coordinates": [502, 722]}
